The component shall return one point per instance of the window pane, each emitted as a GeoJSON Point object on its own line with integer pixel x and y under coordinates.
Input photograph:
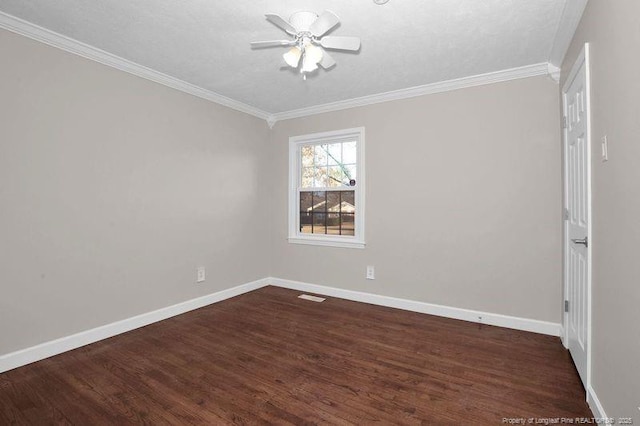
{"type": "Point", "coordinates": [350, 172]}
{"type": "Point", "coordinates": [319, 223]}
{"type": "Point", "coordinates": [333, 224]}
{"type": "Point", "coordinates": [319, 201]}
{"type": "Point", "coordinates": [333, 201]}
{"type": "Point", "coordinates": [320, 177]}
{"type": "Point", "coordinates": [307, 177]}
{"type": "Point", "coordinates": [307, 156]}
{"type": "Point", "coordinates": [335, 176]}
{"type": "Point", "coordinates": [320, 155]}
{"type": "Point", "coordinates": [305, 201]}
{"type": "Point", "coordinates": [327, 212]}
{"type": "Point", "coordinates": [335, 154]}
{"type": "Point", "coordinates": [348, 224]}
{"type": "Point", "coordinates": [305, 223]}
{"type": "Point", "coordinates": [347, 213]}
{"type": "Point", "coordinates": [328, 165]}
{"type": "Point", "coordinates": [348, 204]}
{"type": "Point", "coordinates": [349, 153]}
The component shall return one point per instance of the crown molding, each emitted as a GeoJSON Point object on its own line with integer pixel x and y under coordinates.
{"type": "Point", "coordinates": [569, 21]}
{"type": "Point", "coordinates": [554, 72]}
{"type": "Point", "coordinates": [570, 18]}
{"type": "Point", "coordinates": [271, 121]}
{"type": "Point", "coordinates": [427, 89]}
{"type": "Point", "coordinates": [35, 32]}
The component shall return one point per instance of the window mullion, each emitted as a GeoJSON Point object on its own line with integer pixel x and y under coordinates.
{"type": "Point", "coordinates": [326, 213]}
{"type": "Point", "coordinates": [340, 216]}
{"type": "Point", "coordinates": [328, 189]}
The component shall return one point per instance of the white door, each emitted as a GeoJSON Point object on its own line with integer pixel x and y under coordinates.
{"type": "Point", "coordinates": [577, 215]}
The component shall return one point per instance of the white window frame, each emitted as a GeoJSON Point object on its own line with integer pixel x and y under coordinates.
{"type": "Point", "coordinates": [295, 166]}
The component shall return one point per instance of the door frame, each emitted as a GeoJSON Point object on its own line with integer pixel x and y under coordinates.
{"type": "Point", "coordinates": [582, 59]}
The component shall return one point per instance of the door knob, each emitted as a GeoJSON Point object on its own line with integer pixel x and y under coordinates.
{"type": "Point", "coordinates": [584, 241]}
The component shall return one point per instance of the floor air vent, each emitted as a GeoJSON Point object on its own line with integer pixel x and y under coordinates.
{"type": "Point", "coordinates": [312, 298]}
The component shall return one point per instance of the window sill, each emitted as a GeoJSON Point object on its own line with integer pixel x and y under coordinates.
{"type": "Point", "coordinates": [328, 242]}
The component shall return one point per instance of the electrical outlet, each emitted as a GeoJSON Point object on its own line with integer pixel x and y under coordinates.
{"type": "Point", "coordinates": [200, 274]}
{"type": "Point", "coordinates": [371, 273]}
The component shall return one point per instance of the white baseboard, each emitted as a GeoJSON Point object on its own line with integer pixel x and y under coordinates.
{"type": "Point", "coordinates": [45, 350]}
{"type": "Point", "coordinates": [54, 347]}
{"type": "Point", "coordinates": [565, 343]}
{"type": "Point", "coordinates": [525, 324]}
{"type": "Point", "coordinates": [594, 404]}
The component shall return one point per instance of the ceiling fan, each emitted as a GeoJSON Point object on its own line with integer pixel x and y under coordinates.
{"type": "Point", "coordinates": [308, 31]}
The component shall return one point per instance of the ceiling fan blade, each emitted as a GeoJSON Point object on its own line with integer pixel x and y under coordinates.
{"type": "Point", "coordinates": [324, 23]}
{"type": "Point", "coordinates": [280, 22]}
{"type": "Point", "coordinates": [327, 61]}
{"type": "Point", "coordinates": [271, 43]}
{"type": "Point", "coordinates": [340, 43]}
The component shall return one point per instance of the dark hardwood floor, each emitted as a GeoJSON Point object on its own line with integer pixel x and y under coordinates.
{"type": "Point", "coordinates": [268, 357]}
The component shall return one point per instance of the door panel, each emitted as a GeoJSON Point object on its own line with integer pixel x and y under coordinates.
{"type": "Point", "coordinates": [577, 203]}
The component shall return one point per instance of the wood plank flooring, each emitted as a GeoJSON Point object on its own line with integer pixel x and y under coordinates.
{"type": "Point", "coordinates": [267, 357]}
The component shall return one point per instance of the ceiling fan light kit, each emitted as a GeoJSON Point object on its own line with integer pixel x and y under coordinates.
{"type": "Point", "coordinates": [308, 31]}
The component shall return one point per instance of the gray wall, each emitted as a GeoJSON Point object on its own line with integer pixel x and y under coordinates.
{"type": "Point", "coordinates": [463, 201]}
{"type": "Point", "coordinates": [112, 190]}
{"type": "Point", "coordinates": [612, 29]}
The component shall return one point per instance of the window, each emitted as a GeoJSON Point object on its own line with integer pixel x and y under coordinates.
{"type": "Point", "coordinates": [326, 195]}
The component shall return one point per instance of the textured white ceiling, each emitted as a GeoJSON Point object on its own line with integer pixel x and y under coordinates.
{"type": "Point", "coordinates": [405, 43]}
